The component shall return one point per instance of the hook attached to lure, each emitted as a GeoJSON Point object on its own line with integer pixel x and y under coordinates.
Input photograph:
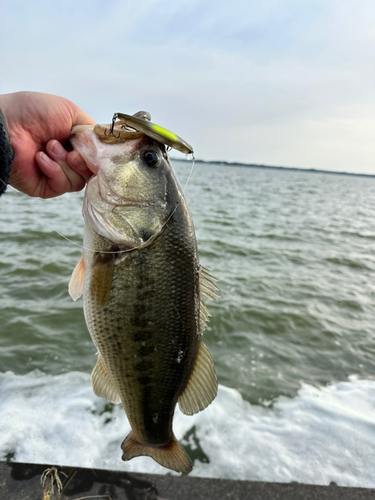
{"type": "Point", "coordinates": [111, 130]}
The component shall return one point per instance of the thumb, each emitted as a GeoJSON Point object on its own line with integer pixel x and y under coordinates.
{"type": "Point", "coordinates": [81, 118]}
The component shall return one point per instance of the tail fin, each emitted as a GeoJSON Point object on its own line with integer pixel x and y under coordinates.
{"type": "Point", "coordinates": [172, 455]}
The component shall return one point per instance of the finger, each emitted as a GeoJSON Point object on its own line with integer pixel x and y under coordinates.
{"type": "Point", "coordinates": [59, 176]}
{"type": "Point", "coordinates": [79, 117]}
{"type": "Point", "coordinates": [56, 180]}
{"type": "Point", "coordinates": [82, 118]}
{"type": "Point", "coordinates": [58, 154]}
{"type": "Point", "coordinates": [77, 163]}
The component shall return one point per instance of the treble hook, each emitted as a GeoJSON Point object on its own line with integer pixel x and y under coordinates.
{"type": "Point", "coordinates": [111, 130]}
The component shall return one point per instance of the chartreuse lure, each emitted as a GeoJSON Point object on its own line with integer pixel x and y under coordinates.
{"type": "Point", "coordinates": [154, 131]}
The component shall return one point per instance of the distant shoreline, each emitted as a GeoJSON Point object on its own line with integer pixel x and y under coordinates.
{"type": "Point", "coordinates": [268, 167]}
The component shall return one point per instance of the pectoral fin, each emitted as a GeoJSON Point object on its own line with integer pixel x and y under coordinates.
{"type": "Point", "coordinates": [77, 280]}
{"type": "Point", "coordinates": [101, 276]}
{"type": "Point", "coordinates": [102, 384]}
{"type": "Point", "coordinates": [201, 388]}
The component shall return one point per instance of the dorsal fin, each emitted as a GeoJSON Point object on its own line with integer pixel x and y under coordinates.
{"type": "Point", "coordinates": [207, 286]}
{"type": "Point", "coordinates": [204, 315]}
{"type": "Point", "coordinates": [208, 289]}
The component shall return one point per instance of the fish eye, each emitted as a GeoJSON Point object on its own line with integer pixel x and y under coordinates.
{"type": "Point", "coordinates": [151, 158]}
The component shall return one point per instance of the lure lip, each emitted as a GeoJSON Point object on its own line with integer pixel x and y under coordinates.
{"type": "Point", "coordinates": [154, 131]}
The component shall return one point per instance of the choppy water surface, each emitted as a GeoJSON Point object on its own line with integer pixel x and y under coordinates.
{"type": "Point", "coordinates": [292, 336]}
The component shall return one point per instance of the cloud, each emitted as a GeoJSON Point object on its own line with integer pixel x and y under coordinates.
{"type": "Point", "coordinates": [279, 82]}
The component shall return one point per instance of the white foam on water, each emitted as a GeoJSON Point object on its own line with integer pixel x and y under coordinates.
{"type": "Point", "coordinates": [322, 435]}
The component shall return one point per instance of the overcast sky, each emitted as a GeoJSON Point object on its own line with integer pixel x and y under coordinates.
{"type": "Point", "coordinates": [278, 82]}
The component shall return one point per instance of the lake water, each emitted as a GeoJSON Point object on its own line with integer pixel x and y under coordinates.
{"type": "Point", "coordinates": [292, 336]}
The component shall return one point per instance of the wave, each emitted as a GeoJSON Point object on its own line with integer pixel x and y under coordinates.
{"type": "Point", "coordinates": [324, 434]}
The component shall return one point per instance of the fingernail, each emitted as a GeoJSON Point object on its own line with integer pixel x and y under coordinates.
{"type": "Point", "coordinates": [42, 156]}
{"type": "Point", "coordinates": [58, 150]}
{"type": "Point", "coordinates": [47, 161]}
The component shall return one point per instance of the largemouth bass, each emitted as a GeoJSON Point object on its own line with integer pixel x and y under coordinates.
{"type": "Point", "coordinates": [142, 288]}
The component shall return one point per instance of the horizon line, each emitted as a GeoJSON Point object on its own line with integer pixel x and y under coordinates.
{"type": "Point", "coordinates": [270, 167]}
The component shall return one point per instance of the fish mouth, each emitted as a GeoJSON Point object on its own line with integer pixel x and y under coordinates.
{"type": "Point", "coordinates": [117, 135]}
{"type": "Point", "coordinates": [81, 139]}
{"type": "Point", "coordinates": [104, 133]}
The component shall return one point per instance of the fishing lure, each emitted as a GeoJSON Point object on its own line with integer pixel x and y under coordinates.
{"type": "Point", "coordinates": [141, 123]}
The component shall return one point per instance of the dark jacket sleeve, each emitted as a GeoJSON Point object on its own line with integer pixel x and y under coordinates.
{"type": "Point", "coordinates": [6, 155]}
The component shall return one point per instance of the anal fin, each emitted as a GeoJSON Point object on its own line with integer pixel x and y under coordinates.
{"type": "Point", "coordinates": [102, 384]}
{"type": "Point", "coordinates": [201, 388]}
{"type": "Point", "coordinates": [77, 280]}
{"type": "Point", "coordinates": [172, 455]}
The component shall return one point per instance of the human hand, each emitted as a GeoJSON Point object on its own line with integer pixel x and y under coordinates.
{"type": "Point", "coordinates": [38, 124]}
